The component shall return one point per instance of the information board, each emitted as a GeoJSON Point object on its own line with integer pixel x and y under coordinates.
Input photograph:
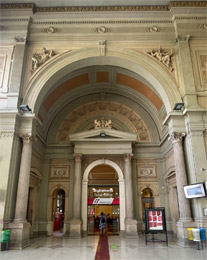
{"type": "Point", "coordinates": [155, 222]}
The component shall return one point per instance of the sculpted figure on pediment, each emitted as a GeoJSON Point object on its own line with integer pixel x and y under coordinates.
{"type": "Point", "coordinates": [40, 58]}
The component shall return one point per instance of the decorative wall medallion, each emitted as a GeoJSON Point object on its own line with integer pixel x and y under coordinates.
{"type": "Point", "coordinates": [102, 29]}
{"type": "Point", "coordinates": [40, 58]}
{"type": "Point", "coordinates": [146, 169]}
{"type": "Point", "coordinates": [60, 172]}
{"type": "Point", "coordinates": [153, 29]}
{"type": "Point", "coordinates": [146, 172]}
{"type": "Point", "coordinates": [51, 30]}
{"type": "Point", "coordinates": [163, 57]}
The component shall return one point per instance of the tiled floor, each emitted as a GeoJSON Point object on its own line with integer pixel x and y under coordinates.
{"type": "Point", "coordinates": [85, 249]}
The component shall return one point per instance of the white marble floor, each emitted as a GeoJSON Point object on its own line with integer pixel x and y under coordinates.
{"type": "Point", "coordinates": [121, 248]}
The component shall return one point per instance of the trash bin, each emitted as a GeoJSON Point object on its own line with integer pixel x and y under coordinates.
{"type": "Point", "coordinates": [203, 237]}
{"type": "Point", "coordinates": [196, 236]}
{"type": "Point", "coordinates": [5, 234]}
{"type": "Point", "coordinates": [190, 233]}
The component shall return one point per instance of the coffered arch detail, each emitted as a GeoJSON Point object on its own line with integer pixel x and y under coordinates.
{"type": "Point", "coordinates": [109, 110]}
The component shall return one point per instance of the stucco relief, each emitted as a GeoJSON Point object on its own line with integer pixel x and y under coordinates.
{"type": "Point", "coordinates": [39, 59]}
{"type": "Point", "coordinates": [108, 109]}
{"type": "Point", "coordinates": [146, 169]}
{"type": "Point", "coordinates": [163, 57]}
{"type": "Point", "coordinates": [60, 172]}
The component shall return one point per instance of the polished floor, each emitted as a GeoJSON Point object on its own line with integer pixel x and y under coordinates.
{"type": "Point", "coordinates": [105, 248]}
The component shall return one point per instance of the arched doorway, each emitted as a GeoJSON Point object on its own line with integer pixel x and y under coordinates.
{"type": "Point", "coordinates": [103, 196]}
{"type": "Point", "coordinates": [114, 186]}
{"type": "Point", "coordinates": [147, 199]}
{"type": "Point", "coordinates": [58, 209]}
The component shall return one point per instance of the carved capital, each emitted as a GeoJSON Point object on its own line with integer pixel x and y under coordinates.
{"type": "Point", "coordinates": [28, 138]}
{"type": "Point", "coordinates": [78, 157]}
{"type": "Point", "coordinates": [185, 38]}
{"type": "Point", "coordinates": [127, 157]}
{"type": "Point", "coordinates": [176, 137]}
{"type": "Point", "coordinates": [20, 39]}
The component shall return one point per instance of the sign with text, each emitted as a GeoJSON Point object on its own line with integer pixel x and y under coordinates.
{"type": "Point", "coordinates": [103, 201]}
{"type": "Point", "coordinates": [155, 220]}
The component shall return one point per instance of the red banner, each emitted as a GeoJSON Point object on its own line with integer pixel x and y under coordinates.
{"type": "Point", "coordinates": [103, 201]}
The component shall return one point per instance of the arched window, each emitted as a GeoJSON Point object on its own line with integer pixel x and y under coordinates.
{"type": "Point", "coordinates": [147, 199]}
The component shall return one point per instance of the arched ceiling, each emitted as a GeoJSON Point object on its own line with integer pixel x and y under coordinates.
{"type": "Point", "coordinates": [98, 92]}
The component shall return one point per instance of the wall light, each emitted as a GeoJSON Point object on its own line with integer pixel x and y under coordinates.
{"type": "Point", "coordinates": [25, 108]}
{"type": "Point", "coordinates": [178, 106]}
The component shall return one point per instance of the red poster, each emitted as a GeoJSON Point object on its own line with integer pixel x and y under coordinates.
{"type": "Point", "coordinates": [150, 213]}
{"type": "Point", "coordinates": [158, 213]}
{"type": "Point", "coordinates": [154, 212]}
{"type": "Point", "coordinates": [150, 218]}
{"type": "Point", "coordinates": [160, 218]}
{"type": "Point", "coordinates": [154, 218]}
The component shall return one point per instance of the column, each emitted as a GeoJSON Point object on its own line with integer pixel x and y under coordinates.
{"type": "Point", "coordinates": [181, 176]}
{"type": "Point", "coordinates": [24, 177]}
{"type": "Point", "coordinates": [20, 228]}
{"type": "Point", "coordinates": [130, 222]}
{"type": "Point", "coordinates": [76, 223]}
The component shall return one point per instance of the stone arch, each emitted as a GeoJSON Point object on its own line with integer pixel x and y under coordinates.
{"type": "Point", "coordinates": [85, 190]}
{"type": "Point", "coordinates": [140, 63]}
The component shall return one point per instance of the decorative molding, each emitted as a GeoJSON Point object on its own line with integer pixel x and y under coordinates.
{"type": "Point", "coordinates": [176, 137]}
{"type": "Point", "coordinates": [154, 29]}
{"type": "Point", "coordinates": [108, 109]}
{"type": "Point", "coordinates": [6, 134]}
{"type": "Point", "coordinates": [20, 39]}
{"type": "Point", "coordinates": [102, 22]}
{"type": "Point", "coordinates": [203, 26]}
{"type": "Point", "coordinates": [51, 30]}
{"type": "Point", "coordinates": [60, 172]}
{"type": "Point", "coordinates": [102, 48]}
{"type": "Point", "coordinates": [146, 173]}
{"type": "Point", "coordinates": [105, 8]}
{"type": "Point", "coordinates": [14, 19]}
{"type": "Point", "coordinates": [39, 59]}
{"type": "Point", "coordinates": [102, 124]}
{"type": "Point", "coordinates": [28, 138]}
{"type": "Point", "coordinates": [163, 57]}
{"type": "Point", "coordinates": [102, 29]}
{"type": "Point", "coordinates": [184, 38]}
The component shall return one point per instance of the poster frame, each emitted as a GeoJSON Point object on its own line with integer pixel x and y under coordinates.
{"type": "Point", "coordinates": [153, 230]}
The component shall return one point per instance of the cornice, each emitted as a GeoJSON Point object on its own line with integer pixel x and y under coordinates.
{"type": "Point", "coordinates": [126, 8]}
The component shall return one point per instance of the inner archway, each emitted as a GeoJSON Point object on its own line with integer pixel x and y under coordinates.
{"type": "Point", "coordinates": [118, 182]}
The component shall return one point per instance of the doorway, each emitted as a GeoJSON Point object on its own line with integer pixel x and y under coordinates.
{"type": "Point", "coordinates": [58, 210]}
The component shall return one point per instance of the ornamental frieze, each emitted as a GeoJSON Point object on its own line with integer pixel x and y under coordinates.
{"type": "Point", "coordinates": [108, 110]}
{"type": "Point", "coordinates": [38, 59]}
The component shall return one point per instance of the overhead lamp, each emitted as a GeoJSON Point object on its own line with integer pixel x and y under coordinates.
{"type": "Point", "coordinates": [102, 134]}
{"type": "Point", "coordinates": [25, 108]}
{"type": "Point", "coordinates": [178, 106]}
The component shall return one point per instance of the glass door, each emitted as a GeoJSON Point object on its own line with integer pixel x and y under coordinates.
{"type": "Point", "coordinates": [115, 219]}
{"type": "Point", "coordinates": [91, 219]}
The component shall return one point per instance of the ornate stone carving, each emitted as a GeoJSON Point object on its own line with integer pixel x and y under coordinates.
{"type": "Point", "coordinates": [154, 29]}
{"type": "Point", "coordinates": [102, 29]}
{"type": "Point", "coordinates": [184, 38]}
{"type": "Point", "coordinates": [7, 134]}
{"type": "Point", "coordinates": [128, 157]}
{"type": "Point", "coordinates": [203, 26]}
{"type": "Point", "coordinates": [50, 30]}
{"type": "Point", "coordinates": [28, 138]}
{"type": "Point", "coordinates": [107, 110]}
{"type": "Point", "coordinates": [163, 57]}
{"type": "Point", "coordinates": [176, 137]}
{"type": "Point", "coordinates": [60, 172]}
{"type": "Point", "coordinates": [40, 58]}
{"type": "Point", "coordinates": [146, 169]}
{"type": "Point", "coordinates": [78, 157]}
{"type": "Point", "coordinates": [102, 48]}
{"type": "Point", "coordinates": [146, 172]}
{"type": "Point", "coordinates": [20, 38]}
{"type": "Point", "coordinates": [102, 124]}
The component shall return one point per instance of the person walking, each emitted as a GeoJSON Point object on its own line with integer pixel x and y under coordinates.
{"type": "Point", "coordinates": [102, 224]}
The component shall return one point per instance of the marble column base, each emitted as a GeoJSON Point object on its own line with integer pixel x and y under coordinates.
{"type": "Point", "coordinates": [75, 228]}
{"type": "Point", "coordinates": [66, 228]}
{"type": "Point", "coordinates": [19, 234]}
{"type": "Point", "coordinates": [182, 233]}
{"type": "Point", "coordinates": [131, 228]}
